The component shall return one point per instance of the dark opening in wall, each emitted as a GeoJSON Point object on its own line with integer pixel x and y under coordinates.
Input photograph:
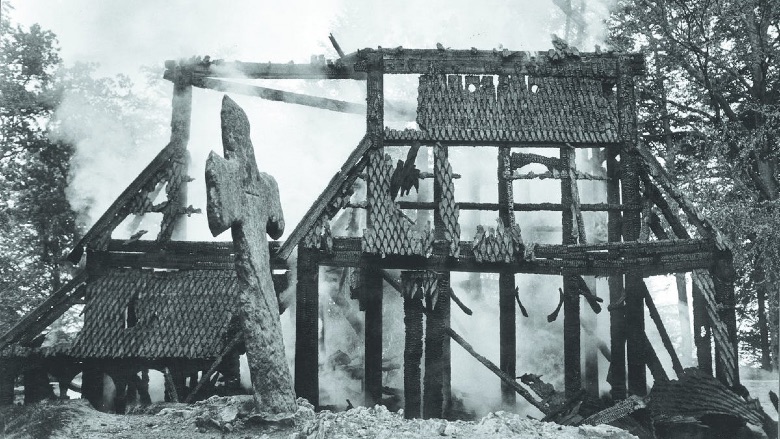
{"type": "Point", "coordinates": [131, 318]}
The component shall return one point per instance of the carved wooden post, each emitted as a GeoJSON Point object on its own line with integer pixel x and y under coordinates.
{"type": "Point", "coordinates": [306, 326]}
{"type": "Point", "coordinates": [247, 201]}
{"type": "Point", "coordinates": [371, 279]}
{"type": "Point", "coordinates": [506, 281]}
{"type": "Point", "coordinates": [629, 177]}
{"type": "Point", "coordinates": [617, 366]}
{"type": "Point", "coordinates": [571, 297]}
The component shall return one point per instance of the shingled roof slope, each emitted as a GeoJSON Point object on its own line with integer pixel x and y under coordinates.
{"type": "Point", "coordinates": [183, 314]}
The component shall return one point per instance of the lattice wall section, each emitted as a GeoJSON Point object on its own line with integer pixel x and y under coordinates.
{"type": "Point", "coordinates": [448, 209]}
{"type": "Point", "coordinates": [522, 108]}
{"type": "Point", "coordinates": [390, 232]}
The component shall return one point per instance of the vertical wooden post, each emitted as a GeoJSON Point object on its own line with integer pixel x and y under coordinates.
{"type": "Point", "coordinates": [307, 384]}
{"type": "Point", "coordinates": [617, 366]}
{"type": "Point", "coordinates": [723, 276]}
{"type": "Point", "coordinates": [506, 282]}
{"type": "Point", "coordinates": [371, 280]}
{"type": "Point", "coordinates": [371, 283]}
{"type": "Point", "coordinates": [9, 369]}
{"type": "Point", "coordinates": [443, 284]}
{"type": "Point", "coordinates": [435, 335]}
{"type": "Point", "coordinates": [181, 120]}
{"type": "Point", "coordinates": [701, 330]}
{"type": "Point", "coordinates": [685, 322]}
{"type": "Point", "coordinates": [92, 384]}
{"type": "Point", "coordinates": [413, 349]}
{"type": "Point", "coordinates": [571, 298]}
{"type": "Point", "coordinates": [629, 177]}
{"type": "Point", "coordinates": [591, 369]}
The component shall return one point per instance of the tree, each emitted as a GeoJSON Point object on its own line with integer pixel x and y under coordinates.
{"type": "Point", "coordinates": [710, 108]}
{"type": "Point", "coordinates": [37, 144]}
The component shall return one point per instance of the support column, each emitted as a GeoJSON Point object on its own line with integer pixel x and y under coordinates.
{"type": "Point", "coordinates": [723, 276]}
{"type": "Point", "coordinates": [591, 373]}
{"type": "Point", "coordinates": [9, 370]}
{"type": "Point", "coordinates": [506, 282]}
{"type": "Point", "coordinates": [435, 336]}
{"type": "Point", "coordinates": [307, 384]}
{"type": "Point", "coordinates": [446, 376]}
{"type": "Point", "coordinates": [685, 322]}
{"type": "Point", "coordinates": [413, 349]}
{"type": "Point", "coordinates": [701, 331]}
{"type": "Point", "coordinates": [571, 297]}
{"type": "Point", "coordinates": [181, 120]}
{"type": "Point", "coordinates": [629, 177]}
{"type": "Point", "coordinates": [92, 384]}
{"type": "Point", "coordinates": [371, 283]}
{"type": "Point", "coordinates": [617, 366]}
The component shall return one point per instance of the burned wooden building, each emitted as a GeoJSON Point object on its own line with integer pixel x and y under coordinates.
{"type": "Point", "coordinates": [505, 102]}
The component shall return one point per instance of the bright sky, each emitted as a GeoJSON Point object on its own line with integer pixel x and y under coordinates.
{"type": "Point", "coordinates": [292, 141]}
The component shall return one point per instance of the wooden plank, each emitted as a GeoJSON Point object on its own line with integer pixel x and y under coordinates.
{"type": "Point", "coordinates": [353, 164]}
{"type": "Point", "coordinates": [114, 214]}
{"type": "Point", "coordinates": [413, 350]}
{"type": "Point", "coordinates": [572, 349]}
{"type": "Point", "coordinates": [371, 283]}
{"type": "Point", "coordinates": [506, 281]}
{"type": "Point", "coordinates": [617, 325]}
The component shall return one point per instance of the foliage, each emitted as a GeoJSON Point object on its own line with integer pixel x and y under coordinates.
{"type": "Point", "coordinates": [710, 106]}
{"type": "Point", "coordinates": [37, 144]}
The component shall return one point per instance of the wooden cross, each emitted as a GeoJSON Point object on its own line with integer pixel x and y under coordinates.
{"type": "Point", "coordinates": [242, 198]}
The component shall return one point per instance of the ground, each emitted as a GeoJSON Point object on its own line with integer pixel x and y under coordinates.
{"type": "Point", "coordinates": [231, 418]}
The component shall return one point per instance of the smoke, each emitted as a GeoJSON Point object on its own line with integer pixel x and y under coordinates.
{"type": "Point", "coordinates": [303, 147]}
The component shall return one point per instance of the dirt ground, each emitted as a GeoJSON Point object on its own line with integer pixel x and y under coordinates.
{"type": "Point", "coordinates": [231, 417]}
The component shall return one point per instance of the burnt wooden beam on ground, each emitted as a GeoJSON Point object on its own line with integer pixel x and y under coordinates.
{"type": "Point", "coordinates": [510, 381]}
{"type": "Point", "coordinates": [307, 327]}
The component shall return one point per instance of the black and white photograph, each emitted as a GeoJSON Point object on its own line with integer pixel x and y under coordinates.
{"type": "Point", "coordinates": [547, 219]}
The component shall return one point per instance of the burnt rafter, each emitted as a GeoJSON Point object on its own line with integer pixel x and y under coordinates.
{"type": "Point", "coordinates": [406, 175]}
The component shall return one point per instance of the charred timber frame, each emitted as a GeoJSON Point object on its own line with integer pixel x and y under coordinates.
{"type": "Point", "coordinates": [307, 327]}
{"type": "Point", "coordinates": [571, 297]}
{"type": "Point", "coordinates": [506, 280]}
{"type": "Point", "coordinates": [629, 177]}
{"type": "Point", "coordinates": [413, 348]}
{"type": "Point", "coordinates": [422, 61]}
{"type": "Point", "coordinates": [371, 277]}
{"type": "Point", "coordinates": [437, 393]}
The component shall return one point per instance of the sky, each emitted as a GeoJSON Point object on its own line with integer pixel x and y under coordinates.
{"type": "Point", "coordinates": [291, 141]}
{"type": "Point", "coordinates": [301, 147]}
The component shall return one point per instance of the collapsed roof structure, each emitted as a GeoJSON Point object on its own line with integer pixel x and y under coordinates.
{"type": "Point", "coordinates": [503, 101]}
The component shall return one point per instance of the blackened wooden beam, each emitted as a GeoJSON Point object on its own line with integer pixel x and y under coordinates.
{"type": "Point", "coordinates": [340, 69]}
{"type": "Point", "coordinates": [48, 311]}
{"type": "Point", "coordinates": [174, 223]}
{"type": "Point", "coordinates": [702, 331]}
{"type": "Point", "coordinates": [460, 303]}
{"type": "Point", "coordinates": [504, 62]}
{"type": "Point", "coordinates": [354, 163]}
{"type": "Point", "coordinates": [651, 358]}
{"type": "Point", "coordinates": [437, 322]}
{"type": "Point", "coordinates": [665, 339]}
{"type": "Point", "coordinates": [428, 138]}
{"type": "Point", "coordinates": [506, 281]}
{"type": "Point", "coordinates": [413, 350]}
{"type": "Point", "coordinates": [499, 373]}
{"type": "Point", "coordinates": [393, 282]}
{"type": "Point", "coordinates": [723, 333]}
{"type": "Point", "coordinates": [307, 327]}
{"type": "Point", "coordinates": [525, 207]}
{"type": "Point", "coordinates": [213, 368]}
{"type": "Point", "coordinates": [371, 283]}
{"type": "Point", "coordinates": [629, 179]}
{"type": "Point", "coordinates": [572, 368]}
{"type": "Point", "coordinates": [723, 275]}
